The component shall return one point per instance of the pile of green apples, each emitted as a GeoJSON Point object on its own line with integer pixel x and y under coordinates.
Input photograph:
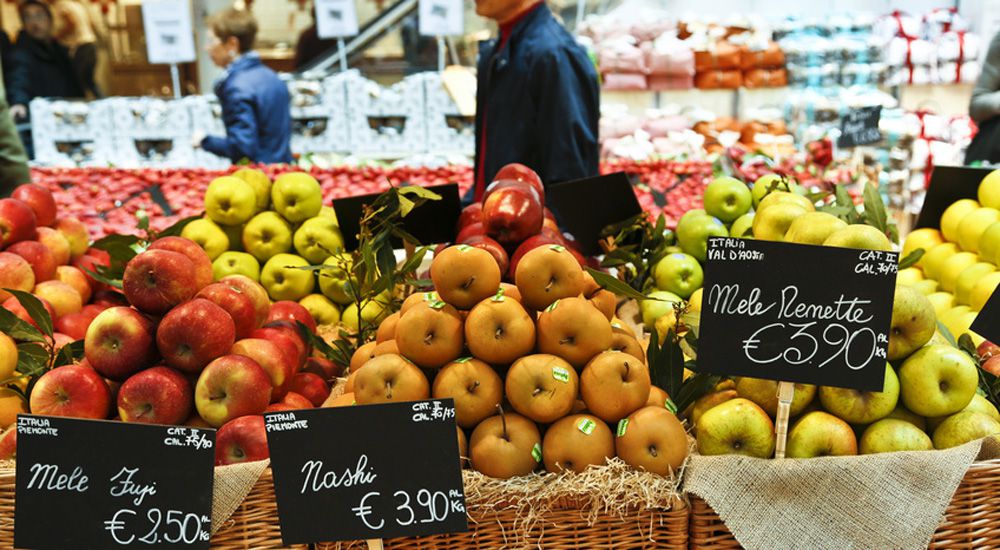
{"type": "Point", "coordinates": [269, 231]}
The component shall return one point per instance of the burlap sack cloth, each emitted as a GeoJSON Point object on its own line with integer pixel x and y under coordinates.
{"type": "Point", "coordinates": [232, 485]}
{"type": "Point", "coordinates": [891, 500]}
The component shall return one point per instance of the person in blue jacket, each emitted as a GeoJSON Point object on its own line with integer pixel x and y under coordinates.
{"type": "Point", "coordinates": [538, 100]}
{"type": "Point", "coordinates": [255, 102]}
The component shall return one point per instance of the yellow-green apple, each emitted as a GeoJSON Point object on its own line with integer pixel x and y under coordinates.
{"type": "Point", "coordinates": [43, 264]}
{"type": "Point", "coordinates": [293, 312]}
{"type": "Point", "coordinates": [329, 212]}
{"type": "Point", "coordinates": [242, 439]}
{"type": "Point", "coordinates": [909, 276]}
{"type": "Point", "coordinates": [785, 197]}
{"type": "Point", "coordinates": [17, 222]}
{"type": "Point", "coordinates": [727, 198]}
{"type": "Point", "coordinates": [311, 386]}
{"type": "Point", "coordinates": [236, 263]}
{"type": "Point", "coordinates": [15, 273]}
{"type": "Point", "coordinates": [372, 312]}
{"type": "Point", "coordinates": [193, 334]}
{"type": "Point", "coordinates": [11, 405]}
{"type": "Point", "coordinates": [256, 293]}
{"type": "Point", "coordinates": [74, 278]}
{"type": "Point", "coordinates": [989, 190]}
{"type": "Point", "coordinates": [983, 289]}
{"type": "Point", "coordinates": [933, 261]}
{"type": "Point", "coordinates": [925, 238]}
{"type": "Point", "coordinates": [913, 322]}
{"type": "Point", "coordinates": [906, 415]}
{"type": "Point", "coordinates": [742, 228]}
{"type": "Point", "coordinates": [390, 378]}
{"type": "Point", "coordinates": [41, 201]}
{"type": "Point", "coordinates": [769, 183]}
{"type": "Point", "coordinates": [333, 279]}
{"type": "Point", "coordinates": [813, 228]}
{"type": "Point", "coordinates": [284, 280]}
{"type": "Point", "coordinates": [57, 244]}
{"type": "Point", "coordinates": [953, 216]}
{"type": "Point", "coordinates": [237, 304]}
{"type": "Point", "coordinates": [499, 330]}
{"type": "Point", "coordinates": [230, 387]}
{"type": "Point", "coordinates": [938, 380]}
{"type": "Point", "coordinates": [573, 329]}
{"type": "Point", "coordinates": [657, 304]}
{"type": "Point", "coordinates": [505, 446]}
{"type": "Point", "coordinates": [64, 298]}
{"type": "Point", "coordinates": [296, 196]}
{"type": "Point", "coordinates": [8, 356]}
{"type": "Point", "coordinates": [317, 238]}
{"type": "Point", "coordinates": [545, 274]}
{"type": "Point", "coordinates": [821, 434]}
{"type": "Point", "coordinates": [71, 390]}
{"type": "Point", "coordinates": [891, 435]}
{"type": "Point", "coordinates": [859, 236]}
{"type": "Point", "coordinates": [267, 235]}
{"type": "Point", "coordinates": [322, 309]}
{"type": "Point", "coordinates": [862, 407]}
{"type": "Point", "coordinates": [260, 183]}
{"type": "Point", "coordinates": [464, 275]}
{"type": "Point", "coordinates": [953, 267]}
{"type": "Point", "coordinates": [159, 395]}
{"type": "Point", "coordinates": [943, 301]}
{"type": "Point", "coordinates": [76, 233]}
{"type": "Point", "coordinates": [964, 427]}
{"type": "Point", "coordinates": [988, 246]}
{"type": "Point", "coordinates": [613, 385]}
{"type": "Point", "coordinates": [475, 387]}
{"type": "Point", "coordinates": [576, 442]}
{"type": "Point", "coordinates": [678, 273]}
{"type": "Point", "coordinates": [120, 342]}
{"type": "Point", "coordinates": [693, 233]}
{"type": "Point", "coordinates": [542, 387]}
{"type": "Point", "coordinates": [737, 426]}
{"type": "Point", "coordinates": [202, 263]}
{"type": "Point", "coordinates": [230, 201]}
{"type": "Point", "coordinates": [978, 404]}
{"type": "Point", "coordinates": [208, 235]}
{"type": "Point", "coordinates": [765, 394]}
{"type": "Point", "coordinates": [157, 280]}
{"type": "Point", "coordinates": [772, 224]}
{"type": "Point", "coordinates": [277, 363]}
{"type": "Point", "coordinates": [973, 225]}
{"type": "Point", "coordinates": [968, 278]}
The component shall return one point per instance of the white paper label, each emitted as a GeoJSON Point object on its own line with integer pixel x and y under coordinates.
{"type": "Point", "coordinates": [336, 18]}
{"type": "Point", "coordinates": [441, 17]}
{"type": "Point", "coordinates": [169, 37]}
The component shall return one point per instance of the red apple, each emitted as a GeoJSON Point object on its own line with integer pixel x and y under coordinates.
{"type": "Point", "coordinates": [512, 214]}
{"type": "Point", "coordinates": [325, 368]}
{"type": "Point", "coordinates": [157, 280]}
{"type": "Point", "coordinates": [76, 279]}
{"type": "Point", "coordinates": [8, 442]}
{"type": "Point", "coordinates": [235, 302]}
{"type": "Point", "coordinates": [297, 401]}
{"type": "Point", "coordinates": [159, 395]}
{"type": "Point", "coordinates": [88, 264]}
{"type": "Point", "coordinates": [292, 331]}
{"type": "Point", "coordinates": [256, 293]}
{"type": "Point", "coordinates": [76, 233]}
{"type": "Point", "coordinates": [120, 341]}
{"type": "Point", "coordinates": [197, 255]}
{"type": "Point", "coordinates": [499, 184]}
{"type": "Point", "coordinates": [519, 172]}
{"type": "Point", "coordinates": [491, 246]}
{"type": "Point", "coordinates": [56, 243]}
{"type": "Point", "coordinates": [15, 307]}
{"type": "Point", "coordinates": [286, 310]}
{"type": "Point", "coordinates": [525, 247]}
{"type": "Point", "coordinates": [74, 325]}
{"type": "Point", "coordinates": [470, 214]}
{"type": "Point", "coordinates": [987, 349]}
{"type": "Point", "coordinates": [15, 273]}
{"type": "Point", "coordinates": [71, 390]}
{"type": "Point", "coordinates": [94, 309]}
{"type": "Point", "coordinates": [474, 228]}
{"type": "Point", "coordinates": [193, 334]}
{"type": "Point", "coordinates": [63, 298]}
{"type": "Point", "coordinates": [230, 387]}
{"type": "Point", "coordinates": [41, 201]}
{"type": "Point", "coordinates": [272, 359]}
{"type": "Point", "coordinates": [278, 407]}
{"type": "Point", "coordinates": [242, 439]}
{"type": "Point", "coordinates": [103, 255]}
{"type": "Point", "coordinates": [43, 263]}
{"type": "Point", "coordinates": [549, 215]}
{"type": "Point", "coordinates": [311, 386]}
{"type": "Point", "coordinates": [17, 222]}
{"type": "Point", "coordinates": [290, 346]}
{"type": "Point", "coordinates": [110, 298]}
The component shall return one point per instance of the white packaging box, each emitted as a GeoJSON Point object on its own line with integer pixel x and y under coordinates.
{"type": "Point", "coordinates": [387, 122]}
{"type": "Point", "coordinates": [71, 133]}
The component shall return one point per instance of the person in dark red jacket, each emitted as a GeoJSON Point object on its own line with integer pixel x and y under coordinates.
{"type": "Point", "coordinates": [255, 102]}
{"type": "Point", "coordinates": [538, 100]}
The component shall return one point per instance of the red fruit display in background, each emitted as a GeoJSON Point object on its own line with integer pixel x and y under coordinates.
{"type": "Point", "coordinates": [43, 263]}
{"type": "Point", "coordinates": [286, 310]}
{"type": "Point", "coordinates": [519, 172]}
{"type": "Point", "coordinates": [11, 304]}
{"type": "Point", "coordinates": [17, 222]}
{"type": "Point", "coordinates": [310, 386]}
{"type": "Point", "coordinates": [512, 213]}
{"type": "Point", "coordinates": [491, 246]}
{"type": "Point", "coordinates": [235, 302]}
{"type": "Point", "coordinates": [41, 201]}
{"type": "Point", "coordinates": [157, 280]}
{"type": "Point", "coordinates": [71, 390]}
{"type": "Point", "coordinates": [194, 333]}
{"type": "Point", "coordinates": [120, 342]}
{"type": "Point", "coordinates": [159, 395]}
{"type": "Point", "coordinates": [470, 214]}
{"type": "Point", "coordinates": [242, 439]}
{"type": "Point", "coordinates": [199, 258]}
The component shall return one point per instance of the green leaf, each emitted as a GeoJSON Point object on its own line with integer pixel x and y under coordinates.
{"type": "Point", "coordinates": [911, 259]}
{"type": "Point", "coordinates": [143, 218]}
{"type": "Point", "coordinates": [413, 262]}
{"type": "Point", "coordinates": [693, 388]}
{"type": "Point", "coordinates": [32, 359]}
{"type": "Point", "coordinates": [405, 205]}
{"type": "Point", "coordinates": [16, 328]}
{"type": "Point", "coordinates": [69, 354]}
{"type": "Point", "coordinates": [616, 286]}
{"type": "Point", "coordinates": [419, 191]}
{"type": "Point", "coordinates": [103, 275]}
{"type": "Point", "coordinates": [35, 310]}
{"type": "Point", "coordinates": [965, 344]}
{"type": "Point", "coordinates": [947, 334]}
{"type": "Point", "coordinates": [875, 213]}
{"type": "Point", "coordinates": [176, 229]}
{"type": "Point", "coordinates": [121, 248]}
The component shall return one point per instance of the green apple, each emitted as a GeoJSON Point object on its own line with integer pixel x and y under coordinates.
{"type": "Point", "coordinates": [333, 280]}
{"type": "Point", "coordinates": [925, 238]}
{"type": "Point", "coordinates": [296, 196]}
{"type": "Point", "coordinates": [738, 427]}
{"type": "Point", "coordinates": [902, 413]}
{"type": "Point", "coordinates": [769, 183]}
{"type": "Point", "coordinates": [236, 263]}
{"type": "Point", "coordinates": [890, 435]}
{"type": "Point", "coordinates": [657, 304]}
{"type": "Point", "coordinates": [678, 273]}
{"type": "Point", "coordinates": [813, 228]}
{"type": "Point", "coordinates": [727, 198]}
{"type": "Point", "coordinates": [909, 276]}
{"type": "Point", "coordinates": [371, 314]}
{"type": "Point", "coordinates": [772, 224]}
{"type": "Point", "coordinates": [329, 212]}
{"type": "Point", "coordinates": [284, 280]}
{"type": "Point", "coordinates": [209, 236]}
{"type": "Point", "coordinates": [913, 322]}
{"type": "Point", "coordinates": [966, 426]}
{"type": "Point", "coordinates": [989, 243]}
{"type": "Point", "coordinates": [317, 238]}
{"type": "Point", "coordinates": [926, 287]}
{"type": "Point", "coordinates": [953, 267]}
{"type": "Point", "coordinates": [951, 317]}
{"type": "Point", "coordinates": [765, 394]}
{"type": "Point", "coordinates": [742, 228]}
{"type": "Point", "coordinates": [943, 301]}
{"type": "Point", "coordinates": [267, 235]}
{"type": "Point", "coordinates": [983, 289]}
{"type": "Point", "coordinates": [952, 217]}
{"type": "Point", "coordinates": [973, 225]}
{"type": "Point", "coordinates": [323, 311]}
{"type": "Point", "coordinates": [859, 236]}
{"type": "Point", "coordinates": [968, 278]}
{"type": "Point", "coordinates": [821, 434]}
{"type": "Point", "coordinates": [693, 233]}
{"type": "Point", "coordinates": [230, 201]}
{"type": "Point", "coordinates": [783, 197]}
{"type": "Point", "coordinates": [933, 261]}
{"type": "Point", "coordinates": [862, 407]}
{"type": "Point", "coordinates": [261, 185]}
{"type": "Point", "coordinates": [938, 380]}
{"type": "Point", "coordinates": [989, 190]}
{"type": "Point", "coordinates": [978, 404]}
{"type": "Point", "coordinates": [235, 235]}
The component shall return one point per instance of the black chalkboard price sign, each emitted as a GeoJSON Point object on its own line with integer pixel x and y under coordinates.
{"type": "Point", "coordinates": [797, 313]}
{"type": "Point", "coordinates": [101, 484]}
{"type": "Point", "coordinates": [367, 472]}
{"type": "Point", "coordinates": [860, 127]}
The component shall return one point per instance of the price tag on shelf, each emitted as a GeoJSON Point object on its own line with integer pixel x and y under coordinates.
{"type": "Point", "coordinates": [336, 18]}
{"type": "Point", "coordinates": [167, 25]}
{"type": "Point", "coordinates": [860, 127]}
{"type": "Point", "coordinates": [441, 17]}
{"type": "Point", "coordinates": [102, 484]}
{"type": "Point", "coordinates": [797, 313]}
{"type": "Point", "coordinates": [367, 472]}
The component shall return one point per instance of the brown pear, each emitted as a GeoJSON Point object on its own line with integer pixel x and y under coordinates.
{"type": "Point", "coordinates": [505, 446]}
{"type": "Point", "coordinates": [511, 291]}
{"type": "Point", "coordinates": [573, 329]}
{"type": "Point", "coordinates": [614, 385]}
{"type": "Point", "coordinates": [388, 346]}
{"type": "Point", "coordinates": [657, 397]}
{"type": "Point", "coordinates": [362, 355]}
{"type": "Point", "coordinates": [652, 439]}
{"type": "Point", "coordinates": [475, 387]}
{"type": "Point", "coordinates": [546, 274]}
{"type": "Point", "coordinates": [390, 379]}
{"type": "Point", "coordinates": [605, 301]}
{"type": "Point", "coordinates": [464, 275]}
{"type": "Point", "coordinates": [542, 387]}
{"type": "Point", "coordinates": [576, 442]}
{"type": "Point", "coordinates": [417, 298]}
{"type": "Point", "coordinates": [499, 330]}
{"type": "Point", "coordinates": [387, 330]}
{"type": "Point", "coordinates": [430, 334]}
{"type": "Point", "coordinates": [627, 344]}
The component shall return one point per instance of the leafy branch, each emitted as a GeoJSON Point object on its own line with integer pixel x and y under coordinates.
{"type": "Point", "coordinates": [633, 247]}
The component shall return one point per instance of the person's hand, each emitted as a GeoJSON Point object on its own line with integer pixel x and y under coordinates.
{"type": "Point", "coordinates": [18, 112]}
{"type": "Point", "coordinates": [196, 138]}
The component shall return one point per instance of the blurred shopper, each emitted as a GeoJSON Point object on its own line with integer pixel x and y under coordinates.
{"type": "Point", "coordinates": [310, 46]}
{"type": "Point", "coordinates": [73, 29]}
{"type": "Point", "coordinates": [255, 102]}
{"type": "Point", "coordinates": [984, 108]}
{"type": "Point", "coordinates": [538, 98]}
{"type": "Point", "coordinates": [13, 159]}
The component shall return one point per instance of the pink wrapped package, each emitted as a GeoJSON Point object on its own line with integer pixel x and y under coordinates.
{"type": "Point", "coordinates": [669, 57]}
{"type": "Point", "coordinates": [617, 125]}
{"type": "Point", "coordinates": [622, 58]}
{"type": "Point", "coordinates": [625, 81]}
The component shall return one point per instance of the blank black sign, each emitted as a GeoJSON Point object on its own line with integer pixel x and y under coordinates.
{"type": "Point", "coordinates": [987, 323]}
{"type": "Point", "coordinates": [101, 484]}
{"type": "Point", "coordinates": [949, 184]}
{"type": "Point", "coordinates": [797, 313]}
{"type": "Point", "coordinates": [586, 206]}
{"type": "Point", "coordinates": [860, 127]}
{"type": "Point", "coordinates": [431, 223]}
{"type": "Point", "coordinates": [367, 472]}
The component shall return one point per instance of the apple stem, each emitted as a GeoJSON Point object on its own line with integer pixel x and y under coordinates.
{"type": "Point", "coordinates": [388, 390]}
{"type": "Point", "coordinates": [549, 285]}
{"type": "Point", "coordinates": [503, 422]}
{"type": "Point", "coordinates": [468, 283]}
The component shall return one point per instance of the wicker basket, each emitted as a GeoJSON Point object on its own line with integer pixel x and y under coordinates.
{"type": "Point", "coordinates": [566, 528]}
{"type": "Point", "coordinates": [970, 521]}
{"type": "Point", "coordinates": [7, 505]}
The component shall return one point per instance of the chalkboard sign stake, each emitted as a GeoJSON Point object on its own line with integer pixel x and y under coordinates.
{"type": "Point", "coordinates": [374, 544]}
{"type": "Point", "coordinates": [786, 391]}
